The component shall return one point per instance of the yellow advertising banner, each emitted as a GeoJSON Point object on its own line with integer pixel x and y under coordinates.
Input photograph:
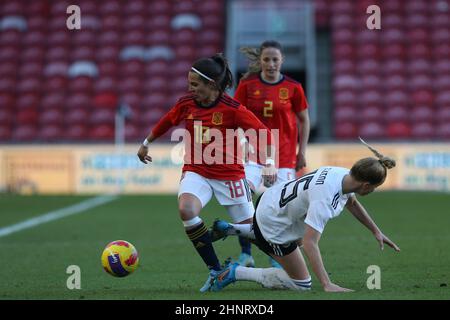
{"type": "Point", "coordinates": [108, 169]}
{"type": "Point", "coordinates": [90, 169]}
{"type": "Point", "coordinates": [37, 170]}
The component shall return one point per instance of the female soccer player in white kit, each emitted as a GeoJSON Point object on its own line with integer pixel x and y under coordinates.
{"type": "Point", "coordinates": [297, 212]}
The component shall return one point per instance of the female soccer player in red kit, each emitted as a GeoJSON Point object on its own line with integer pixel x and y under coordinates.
{"type": "Point", "coordinates": [208, 112]}
{"type": "Point", "coordinates": [280, 103]}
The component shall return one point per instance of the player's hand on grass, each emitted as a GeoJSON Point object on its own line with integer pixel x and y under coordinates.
{"type": "Point", "coordinates": [269, 175]}
{"type": "Point", "coordinates": [382, 239]}
{"type": "Point", "coordinates": [143, 154]}
{"type": "Point", "coordinates": [331, 287]}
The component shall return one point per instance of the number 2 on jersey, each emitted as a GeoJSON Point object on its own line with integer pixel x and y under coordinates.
{"type": "Point", "coordinates": [284, 200]}
{"type": "Point", "coordinates": [268, 108]}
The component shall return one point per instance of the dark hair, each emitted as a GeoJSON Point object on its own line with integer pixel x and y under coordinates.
{"type": "Point", "coordinates": [254, 54]}
{"type": "Point", "coordinates": [215, 68]}
{"type": "Point", "coordinates": [370, 169]}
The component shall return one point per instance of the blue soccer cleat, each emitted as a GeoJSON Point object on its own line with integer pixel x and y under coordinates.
{"type": "Point", "coordinates": [219, 230]}
{"type": "Point", "coordinates": [274, 263]}
{"type": "Point", "coordinates": [226, 277]}
{"type": "Point", "coordinates": [209, 282]}
{"type": "Point", "coordinates": [246, 260]}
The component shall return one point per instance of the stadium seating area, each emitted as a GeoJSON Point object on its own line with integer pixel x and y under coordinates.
{"type": "Point", "coordinates": [392, 83]}
{"type": "Point", "coordinates": [64, 85]}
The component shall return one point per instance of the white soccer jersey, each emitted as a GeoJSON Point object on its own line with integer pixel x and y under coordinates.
{"type": "Point", "coordinates": [312, 199]}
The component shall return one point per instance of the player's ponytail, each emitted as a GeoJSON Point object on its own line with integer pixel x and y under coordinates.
{"type": "Point", "coordinates": [225, 80]}
{"type": "Point", "coordinates": [372, 170]}
{"type": "Point", "coordinates": [214, 70]}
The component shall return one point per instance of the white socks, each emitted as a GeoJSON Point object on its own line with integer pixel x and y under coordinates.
{"type": "Point", "coordinates": [272, 278]}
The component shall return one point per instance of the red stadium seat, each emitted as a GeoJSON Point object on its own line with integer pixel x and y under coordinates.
{"type": "Point", "coordinates": [27, 116]}
{"type": "Point", "coordinates": [134, 37]}
{"type": "Point", "coordinates": [443, 131]}
{"type": "Point", "coordinates": [392, 36]}
{"type": "Point", "coordinates": [422, 97]}
{"type": "Point", "coordinates": [29, 85]}
{"type": "Point", "coordinates": [106, 84]}
{"type": "Point", "coordinates": [102, 133]}
{"type": "Point", "coordinates": [395, 82]}
{"type": "Point", "coordinates": [151, 115]}
{"type": "Point", "coordinates": [110, 7]}
{"type": "Point", "coordinates": [50, 133]}
{"type": "Point", "coordinates": [110, 37]}
{"type": "Point", "coordinates": [441, 35]}
{"type": "Point", "coordinates": [76, 132]}
{"type": "Point", "coordinates": [371, 130]}
{"type": "Point", "coordinates": [154, 100]}
{"type": "Point", "coordinates": [371, 82]}
{"type": "Point", "coordinates": [28, 101]}
{"type": "Point", "coordinates": [78, 101]}
{"type": "Point", "coordinates": [131, 84]}
{"type": "Point", "coordinates": [107, 100]}
{"type": "Point", "coordinates": [133, 132]}
{"type": "Point", "coordinates": [441, 51]}
{"type": "Point", "coordinates": [345, 21]}
{"type": "Point", "coordinates": [392, 21]}
{"type": "Point", "coordinates": [6, 116]}
{"type": "Point", "coordinates": [102, 116]}
{"type": "Point", "coordinates": [368, 51]}
{"type": "Point", "coordinates": [440, 20]}
{"type": "Point", "coordinates": [399, 130]}
{"type": "Point", "coordinates": [157, 84]}
{"type": "Point", "coordinates": [418, 36]}
{"type": "Point", "coordinates": [397, 113]}
{"type": "Point", "coordinates": [134, 100]}
{"type": "Point", "coordinates": [420, 82]}
{"type": "Point", "coordinates": [107, 53]}
{"type": "Point", "coordinates": [343, 36]}
{"type": "Point", "coordinates": [443, 114]}
{"type": "Point", "coordinates": [370, 99]}
{"type": "Point", "coordinates": [7, 100]}
{"type": "Point", "coordinates": [81, 84]}
{"type": "Point", "coordinates": [10, 37]}
{"type": "Point", "coordinates": [394, 66]}
{"type": "Point", "coordinates": [24, 133]}
{"type": "Point", "coordinates": [77, 116]}
{"type": "Point", "coordinates": [160, 7]}
{"type": "Point", "coordinates": [397, 98]}
{"type": "Point", "coordinates": [8, 71]}
{"type": "Point", "coordinates": [393, 51]}
{"type": "Point", "coordinates": [186, 52]}
{"type": "Point", "coordinates": [12, 8]}
{"type": "Point", "coordinates": [31, 70]}
{"type": "Point", "coordinates": [371, 113]}
{"type": "Point", "coordinates": [108, 69]}
{"type": "Point", "coordinates": [346, 82]}
{"type": "Point", "coordinates": [344, 67]}
{"type": "Point", "coordinates": [423, 130]}
{"type": "Point", "coordinates": [417, 20]}
{"type": "Point", "coordinates": [5, 133]}
{"type": "Point", "coordinates": [7, 85]}
{"type": "Point", "coordinates": [422, 113]}
{"type": "Point", "coordinates": [345, 114]}
{"type": "Point", "coordinates": [442, 66]}
{"type": "Point", "coordinates": [51, 117]}
{"type": "Point", "coordinates": [136, 6]}
{"type": "Point", "coordinates": [347, 98]}
{"type": "Point", "coordinates": [368, 66]}
{"type": "Point", "coordinates": [442, 83]}
{"type": "Point", "coordinates": [443, 99]}
{"type": "Point", "coordinates": [343, 51]}
{"type": "Point", "coordinates": [419, 51]}
{"type": "Point", "coordinates": [159, 22]}
{"type": "Point", "coordinates": [53, 101]}
{"type": "Point", "coordinates": [83, 53]}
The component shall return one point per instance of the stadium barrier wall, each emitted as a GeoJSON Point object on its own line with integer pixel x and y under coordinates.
{"type": "Point", "coordinates": [93, 169]}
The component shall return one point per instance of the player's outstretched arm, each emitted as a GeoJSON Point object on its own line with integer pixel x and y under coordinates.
{"type": "Point", "coordinates": [312, 251]}
{"type": "Point", "coordinates": [143, 149]}
{"type": "Point", "coordinates": [360, 213]}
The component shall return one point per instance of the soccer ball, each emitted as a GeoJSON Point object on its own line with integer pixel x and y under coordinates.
{"type": "Point", "coordinates": [120, 258]}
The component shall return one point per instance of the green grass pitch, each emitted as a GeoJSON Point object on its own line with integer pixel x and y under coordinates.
{"type": "Point", "coordinates": [34, 261]}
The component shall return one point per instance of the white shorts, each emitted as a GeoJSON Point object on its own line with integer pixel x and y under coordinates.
{"type": "Point", "coordinates": [235, 196]}
{"type": "Point", "coordinates": [253, 172]}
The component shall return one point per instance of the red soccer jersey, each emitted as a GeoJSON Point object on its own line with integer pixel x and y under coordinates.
{"type": "Point", "coordinates": [206, 153]}
{"type": "Point", "coordinates": [276, 106]}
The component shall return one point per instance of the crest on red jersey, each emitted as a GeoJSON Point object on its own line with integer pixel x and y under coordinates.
{"type": "Point", "coordinates": [284, 93]}
{"type": "Point", "coordinates": [217, 118]}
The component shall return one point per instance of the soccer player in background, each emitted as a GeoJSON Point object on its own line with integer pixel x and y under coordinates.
{"type": "Point", "coordinates": [206, 112]}
{"type": "Point", "coordinates": [280, 103]}
{"type": "Point", "coordinates": [295, 213]}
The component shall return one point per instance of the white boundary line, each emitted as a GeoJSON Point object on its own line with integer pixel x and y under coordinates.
{"type": "Point", "coordinates": [57, 214]}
